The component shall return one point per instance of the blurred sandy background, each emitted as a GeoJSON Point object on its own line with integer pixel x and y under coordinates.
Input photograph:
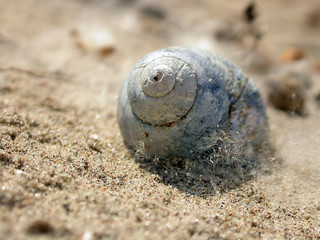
{"type": "Point", "coordinates": [64, 171]}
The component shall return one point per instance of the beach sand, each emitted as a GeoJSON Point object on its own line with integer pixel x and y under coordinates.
{"type": "Point", "coordinates": [64, 170]}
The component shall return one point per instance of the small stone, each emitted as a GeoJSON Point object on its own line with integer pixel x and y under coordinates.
{"type": "Point", "coordinates": [153, 12]}
{"type": "Point", "coordinates": [313, 18]}
{"type": "Point", "coordinates": [318, 98]}
{"type": "Point", "coordinates": [40, 227]}
{"type": "Point", "coordinates": [288, 94]}
{"type": "Point", "coordinates": [94, 136]}
{"type": "Point", "coordinates": [292, 54]}
{"type": "Point", "coordinates": [250, 12]}
{"type": "Point", "coordinates": [96, 40]}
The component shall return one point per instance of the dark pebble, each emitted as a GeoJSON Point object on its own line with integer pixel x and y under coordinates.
{"type": "Point", "coordinates": [40, 227]}
{"type": "Point", "coordinates": [288, 94]}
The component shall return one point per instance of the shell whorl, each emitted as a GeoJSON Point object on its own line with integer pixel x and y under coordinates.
{"type": "Point", "coordinates": [180, 101]}
{"type": "Point", "coordinates": [162, 90]}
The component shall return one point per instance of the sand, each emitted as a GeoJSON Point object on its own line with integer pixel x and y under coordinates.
{"type": "Point", "coordinates": [64, 170]}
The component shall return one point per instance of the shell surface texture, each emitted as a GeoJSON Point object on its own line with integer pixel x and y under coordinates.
{"type": "Point", "coordinates": [178, 102]}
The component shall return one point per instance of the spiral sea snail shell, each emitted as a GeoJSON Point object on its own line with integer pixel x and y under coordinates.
{"type": "Point", "coordinates": [177, 101]}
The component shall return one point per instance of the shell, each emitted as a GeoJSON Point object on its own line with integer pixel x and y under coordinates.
{"type": "Point", "coordinates": [178, 101]}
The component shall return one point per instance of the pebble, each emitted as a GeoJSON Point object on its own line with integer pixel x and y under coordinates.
{"type": "Point", "coordinates": [288, 93]}
{"type": "Point", "coordinates": [318, 98]}
{"type": "Point", "coordinates": [96, 40]}
{"type": "Point", "coordinates": [291, 54]}
{"type": "Point", "coordinates": [313, 18]}
{"type": "Point", "coordinates": [40, 227]}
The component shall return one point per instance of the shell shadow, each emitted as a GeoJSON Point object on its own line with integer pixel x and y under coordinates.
{"type": "Point", "coordinates": [217, 171]}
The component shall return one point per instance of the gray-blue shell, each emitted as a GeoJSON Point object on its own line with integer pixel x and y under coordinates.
{"type": "Point", "coordinates": [180, 101]}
